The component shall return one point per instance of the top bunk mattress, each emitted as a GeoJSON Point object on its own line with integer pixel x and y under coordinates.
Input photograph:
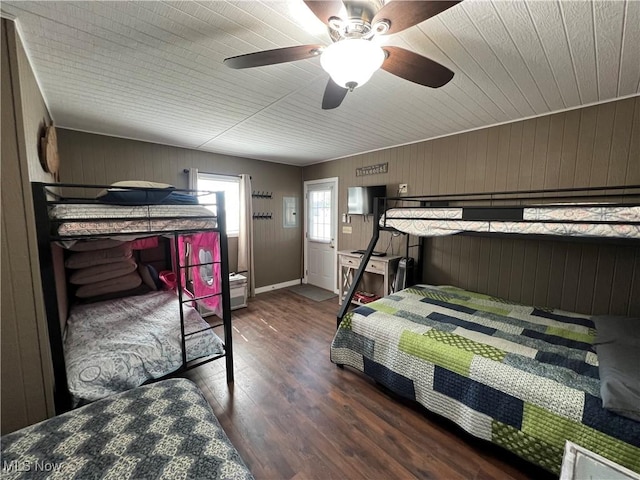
{"type": "Point", "coordinates": [576, 220]}
{"type": "Point", "coordinates": [79, 220]}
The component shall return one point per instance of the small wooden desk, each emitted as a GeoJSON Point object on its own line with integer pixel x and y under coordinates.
{"type": "Point", "coordinates": [348, 262]}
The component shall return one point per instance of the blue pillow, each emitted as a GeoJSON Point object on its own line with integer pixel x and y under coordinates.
{"type": "Point", "coordinates": [142, 193]}
{"type": "Point", "coordinates": [134, 197]}
{"type": "Point", "coordinates": [155, 277]}
{"type": "Point", "coordinates": [179, 198]}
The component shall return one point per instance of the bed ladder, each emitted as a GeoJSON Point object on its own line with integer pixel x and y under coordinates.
{"type": "Point", "coordinates": [366, 256]}
{"type": "Point", "coordinates": [224, 295]}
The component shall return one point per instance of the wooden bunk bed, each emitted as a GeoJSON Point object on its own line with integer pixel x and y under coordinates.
{"type": "Point", "coordinates": [113, 345]}
{"type": "Point", "coordinates": [525, 378]}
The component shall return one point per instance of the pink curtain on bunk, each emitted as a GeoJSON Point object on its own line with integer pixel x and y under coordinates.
{"type": "Point", "coordinates": [207, 279]}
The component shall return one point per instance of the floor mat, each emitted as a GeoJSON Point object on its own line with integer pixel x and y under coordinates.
{"type": "Point", "coordinates": [312, 292]}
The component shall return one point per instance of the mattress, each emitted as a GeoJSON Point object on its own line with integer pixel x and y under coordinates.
{"type": "Point", "coordinates": [165, 430]}
{"type": "Point", "coordinates": [116, 345]}
{"type": "Point", "coordinates": [96, 219]}
{"type": "Point", "coordinates": [565, 220]}
{"type": "Point", "coordinates": [521, 377]}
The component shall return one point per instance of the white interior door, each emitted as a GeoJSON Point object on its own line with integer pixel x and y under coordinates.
{"type": "Point", "coordinates": [321, 221]}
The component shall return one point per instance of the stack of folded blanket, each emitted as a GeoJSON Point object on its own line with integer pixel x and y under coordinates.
{"type": "Point", "coordinates": [105, 269]}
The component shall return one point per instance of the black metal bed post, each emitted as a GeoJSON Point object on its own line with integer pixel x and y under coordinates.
{"type": "Point", "coordinates": [346, 301]}
{"type": "Point", "coordinates": [406, 248]}
{"type": "Point", "coordinates": [226, 293]}
{"type": "Point", "coordinates": [179, 268]}
{"type": "Point", "coordinates": [419, 271]}
{"type": "Point", "coordinates": [61, 395]}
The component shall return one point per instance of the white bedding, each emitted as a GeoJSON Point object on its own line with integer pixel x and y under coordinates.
{"type": "Point", "coordinates": [116, 345]}
{"type": "Point", "coordinates": [537, 220]}
{"type": "Point", "coordinates": [98, 219]}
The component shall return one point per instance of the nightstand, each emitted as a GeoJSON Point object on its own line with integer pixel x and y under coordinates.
{"type": "Point", "coordinates": [348, 263]}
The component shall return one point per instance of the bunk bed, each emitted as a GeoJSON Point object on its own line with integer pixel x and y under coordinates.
{"type": "Point", "coordinates": [110, 343]}
{"type": "Point", "coordinates": [525, 378]}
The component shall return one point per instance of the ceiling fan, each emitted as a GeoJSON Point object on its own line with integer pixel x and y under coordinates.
{"type": "Point", "coordinates": [354, 57]}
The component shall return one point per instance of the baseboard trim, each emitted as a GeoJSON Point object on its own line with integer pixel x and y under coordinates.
{"type": "Point", "coordinates": [277, 286]}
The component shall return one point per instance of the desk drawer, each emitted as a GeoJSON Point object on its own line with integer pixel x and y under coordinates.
{"type": "Point", "coordinates": [354, 262]}
{"type": "Point", "coordinates": [375, 266]}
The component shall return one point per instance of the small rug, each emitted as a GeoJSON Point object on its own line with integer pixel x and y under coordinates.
{"type": "Point", "coordinates": [312, 292]}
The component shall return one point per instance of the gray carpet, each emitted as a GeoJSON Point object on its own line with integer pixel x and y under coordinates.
{"type": "Point", "coordinates": [312, 292]}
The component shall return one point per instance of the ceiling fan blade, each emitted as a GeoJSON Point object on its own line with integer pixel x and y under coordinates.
{"type": "Point", "coordinates": [271, 57]}
{"type": "Point", "coordinates": [325, 9]}
{"type": "Point", "coordinates": [333, 95]}
{"type": "Point", "coordinates": [415, 68]}
{"type": "Point", "coordinates": [403, 14]}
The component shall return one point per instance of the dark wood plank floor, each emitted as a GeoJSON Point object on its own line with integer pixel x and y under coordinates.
{"type": "Point", "coordinates": [292, 414]}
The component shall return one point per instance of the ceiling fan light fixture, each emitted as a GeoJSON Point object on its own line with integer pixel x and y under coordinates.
{"type": "Point", "coordinates": [351, 62]}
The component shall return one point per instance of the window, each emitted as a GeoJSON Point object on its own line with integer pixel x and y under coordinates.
{"type": "Point", "coordinates": [320, 216]}
{"type": "Point", "coordinates": [230, 185]}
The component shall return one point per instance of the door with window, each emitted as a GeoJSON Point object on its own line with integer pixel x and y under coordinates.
{"type": "Point", "coordinates": [320, 233]}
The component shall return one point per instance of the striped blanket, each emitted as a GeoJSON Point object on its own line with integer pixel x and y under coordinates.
{"type": "Point", "coordinates": [522, 377]}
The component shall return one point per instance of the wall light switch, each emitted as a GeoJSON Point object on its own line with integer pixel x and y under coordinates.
{"type": "Point", "coordinates": [347, 229]}
{"type": "Point", "coordinates": [403, 188]}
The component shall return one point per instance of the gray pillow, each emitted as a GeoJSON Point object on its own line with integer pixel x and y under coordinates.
{"type": "Point", "coordinates": [619, 368]}
{"type": "Point", "coordinates": [613, 328]}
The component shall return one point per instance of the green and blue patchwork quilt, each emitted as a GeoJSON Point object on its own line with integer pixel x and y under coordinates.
{"type": "Point", "coordinates": [522, 377]}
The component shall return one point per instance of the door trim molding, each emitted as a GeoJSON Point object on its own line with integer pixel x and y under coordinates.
{"type": "Point", "coordinates": [335, 181]}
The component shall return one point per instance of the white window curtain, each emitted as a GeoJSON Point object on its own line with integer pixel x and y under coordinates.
{"type": "Point", "coordinates": [245, 235]}
{"type": "Point", "coordinates": [193, 179]}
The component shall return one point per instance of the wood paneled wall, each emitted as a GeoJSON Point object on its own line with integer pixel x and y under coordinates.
{"type": "Point", "coordinates": [592, 146]}
{"type": "Point", "coordinates": [98, 159]}
{"type": "Point", "coordinates": [583, 277]}
{"type": "Point", "coordinates": [27, 381]}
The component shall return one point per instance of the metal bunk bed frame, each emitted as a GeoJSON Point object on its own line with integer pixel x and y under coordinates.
{"type": "Point", "coordinates": [44, 235]}
{"type": "Point", "coordinates": [492, 208]}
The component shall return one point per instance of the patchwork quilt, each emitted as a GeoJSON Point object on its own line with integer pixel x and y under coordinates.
{"type": "Point", "coordinates": [522, 377]}
{"type": "Point", "coordinates": [162, 431]}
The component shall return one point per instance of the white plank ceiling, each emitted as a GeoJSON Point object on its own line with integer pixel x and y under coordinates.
{"type": "Point", "coordinates": [153, 71]}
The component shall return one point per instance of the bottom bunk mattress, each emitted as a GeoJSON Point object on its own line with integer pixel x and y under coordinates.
{"type": "Point", "coordinates": [165, 430]}
{"type": "Point", "coordinates": [521, 377]}
{"type": "Point", "coordinates": [116, 345]}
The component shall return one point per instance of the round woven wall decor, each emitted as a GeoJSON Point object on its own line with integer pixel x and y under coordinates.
{"type": "Point", "coordinates": [49, 151]}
